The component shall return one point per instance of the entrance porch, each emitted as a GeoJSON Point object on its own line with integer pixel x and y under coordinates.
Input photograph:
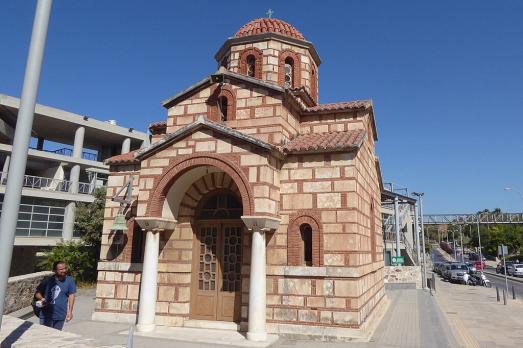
{"type": "Point", "coordinates": [205, 229]}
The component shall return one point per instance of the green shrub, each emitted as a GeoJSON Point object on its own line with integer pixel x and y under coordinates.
{"type": "Point", "coordinates": [80, 259]}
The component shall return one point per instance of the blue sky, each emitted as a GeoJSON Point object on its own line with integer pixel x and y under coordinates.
{"type": "Point", "coordinates": [445, 76]}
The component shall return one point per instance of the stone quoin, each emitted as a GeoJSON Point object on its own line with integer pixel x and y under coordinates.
{"type": "Point", "coordinates": [254, 207]}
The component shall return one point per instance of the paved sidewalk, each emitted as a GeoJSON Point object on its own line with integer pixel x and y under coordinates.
{"type": "Point", "coordinates": [412, 320]}
{"type": "Point", "coordinates": [477, 318]}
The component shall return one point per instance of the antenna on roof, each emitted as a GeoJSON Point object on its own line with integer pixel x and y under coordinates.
{"type": "Point", "coordinates": [270, 13]}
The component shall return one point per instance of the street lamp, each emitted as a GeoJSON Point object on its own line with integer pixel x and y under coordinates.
{"type": "Point", "coordinates": [420, 198]}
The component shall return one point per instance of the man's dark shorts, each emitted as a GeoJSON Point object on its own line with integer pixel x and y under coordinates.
{"type": "Point", "coordinates": [55, 324]}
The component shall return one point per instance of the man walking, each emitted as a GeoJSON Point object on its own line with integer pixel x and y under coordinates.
{"type": "Point", "coordinates": [57, 296]}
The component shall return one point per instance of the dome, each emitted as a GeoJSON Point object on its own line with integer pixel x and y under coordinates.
{"type": "Point", "coordinates": [269, 25]}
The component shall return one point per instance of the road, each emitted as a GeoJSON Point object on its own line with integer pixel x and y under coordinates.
{"type": "Point", "coordinates": [495, 280]}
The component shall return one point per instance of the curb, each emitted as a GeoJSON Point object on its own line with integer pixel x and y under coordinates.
{"type": "Point", "coordinates": [503, 277]}
{"type": "Point", "coordinates": [24, 313]}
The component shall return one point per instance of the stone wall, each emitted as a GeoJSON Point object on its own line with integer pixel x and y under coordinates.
{"type": "Point", "coordinates": [21, 289]}
{"type": "Point", "coordinates": [404, 275]}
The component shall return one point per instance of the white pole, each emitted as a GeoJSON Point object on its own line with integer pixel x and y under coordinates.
{"type": "Point", "coordinates": [397, 225]}
{"type": "Point", "coordinates": [22, 137]}
{"type": "Point", "coordinates": [416, 228]}
{"type": "Point", "coordinates": [423, 239]}
{"type": "Point", "coordinates": [479, 243]}
{"type": "Point", "coordinates": [462, 247]}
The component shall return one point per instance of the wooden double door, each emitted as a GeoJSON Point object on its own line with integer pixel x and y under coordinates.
{"type": "Point", "coordinates": [216, 279]}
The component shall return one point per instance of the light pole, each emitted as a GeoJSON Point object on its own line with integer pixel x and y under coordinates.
{"type": "Point", "coordinates": [420, 198]}
{"type": "Point", "coordinates": [462, 248]}
{"type": "Point", "coordinates": [478, 216]}
{"type": "Point", "coordinates": [24, 124]}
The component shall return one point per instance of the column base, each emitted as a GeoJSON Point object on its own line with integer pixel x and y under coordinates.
{"type": "Point", "coordinates": [257, 336]}
{"type": "Point", "coordinates": [145, 327]}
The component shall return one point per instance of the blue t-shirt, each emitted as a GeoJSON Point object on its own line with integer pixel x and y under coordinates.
{"type": "Point", "coordinates": [57, 296]}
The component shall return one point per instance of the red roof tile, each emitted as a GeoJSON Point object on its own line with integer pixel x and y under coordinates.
{"type": "Point", "coordinates": [355, 104]}
{"type": "Point", "coordinates": [159, 127]}
{"type": "Point", "coordinates": [269, 25]}
{"type": "Point", "coordinates": [126, 158]}
{"type": "Point", "coordinates": [322, 142]}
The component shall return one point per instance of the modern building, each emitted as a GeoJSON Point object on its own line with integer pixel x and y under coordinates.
{"type": "Point", "coordinates": [398, 212]}
{"type": "Point", "coordinates": [255, 208]}
{"type": "Point", "coordinates": [64, 166]}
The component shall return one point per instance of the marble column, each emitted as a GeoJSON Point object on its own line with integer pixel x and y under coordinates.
{"type": "Point", "coordinates": [257, 288]}
{"type": "Point", "coordinates": [259, 225]}
{"type": "Point", "coordinates": [149, 283]}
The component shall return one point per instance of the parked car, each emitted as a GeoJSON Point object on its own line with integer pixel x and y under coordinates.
{"type": "Point", "coordinates": [515, 269]}
{"type": "Point", "coordinates": [449, 268]}
{"type": "Point", "coordinates": [435, 266]}
{"type": "Point", "coordinates": [479, 265]}
{"type": "Point", "coordinates": [500, 268]}
{"type": "Point", "coordinates": [459, 273]}
{"type": "Point", "coordinates": [441, 268]}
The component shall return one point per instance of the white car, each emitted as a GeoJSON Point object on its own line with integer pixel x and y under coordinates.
{"type": "Point", "coordinates": [515, 269]}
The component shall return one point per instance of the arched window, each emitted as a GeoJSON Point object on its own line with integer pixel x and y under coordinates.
{"type": "Point", "coordinates": [221, 103]}
{"type": "Point", "coordinates": [304, 240]}
{"type": "Point", "coordinates": [306, 237]}
{"type": "Point", "coordinates": [250, 62]}
{"type": "Point", "coordinates": [251, 66]}
{"type": "Point", "coordinates": [223, 107]}
{"type": "Point", "coordinates": [221, 205]}
{"type": "Point", "coordinates": [289, 72]}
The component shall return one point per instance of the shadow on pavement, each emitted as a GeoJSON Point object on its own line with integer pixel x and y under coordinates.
{"type": "Point", "coordinates": [15, 335]}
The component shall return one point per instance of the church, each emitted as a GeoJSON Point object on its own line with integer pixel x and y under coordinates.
{"type": "Point", "coordinates": [255, 208]}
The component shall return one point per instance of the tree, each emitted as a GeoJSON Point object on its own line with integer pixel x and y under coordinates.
{"type": "Point", "coordinates": [90, 219]}
{"type": "Point", "coordinates": [80, 259]}
{"type": "Point", "coordinates": [81, 256]}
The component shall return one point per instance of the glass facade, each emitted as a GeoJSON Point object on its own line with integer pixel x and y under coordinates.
{"type": "Point", "coordinates": [39, 217]}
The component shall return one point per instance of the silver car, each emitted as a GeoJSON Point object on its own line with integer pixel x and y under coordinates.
{"type": "Point", "coordinates": [458, 273]}
{"type": "Point", "coordinates": [515, 269]}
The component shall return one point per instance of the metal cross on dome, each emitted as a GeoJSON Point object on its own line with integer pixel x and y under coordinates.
{"type": "Point", "coordinates": [270, 13]}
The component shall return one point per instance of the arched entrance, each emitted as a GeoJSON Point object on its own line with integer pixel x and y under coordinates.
{"type": "Point", "coordinates": [217, 257]}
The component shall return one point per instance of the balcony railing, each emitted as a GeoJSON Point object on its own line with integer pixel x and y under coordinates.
{"type": "Point", "coordinates": [69, 152]}
{"type": "Point", "coordinates": [50, 184]}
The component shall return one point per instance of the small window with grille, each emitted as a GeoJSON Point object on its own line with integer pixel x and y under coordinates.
{"type": "Point", "coordinates": [289, 72]}
{"type": "Point", "coordinates": [306, 237]}
{"type": "Point", "coordinates": [223, 108]}
{"type": "Point", "coordinates": [251, 66]}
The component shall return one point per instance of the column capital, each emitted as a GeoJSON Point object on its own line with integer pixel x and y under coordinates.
{"type": "Point", "coordinates": [260, 222]}
{"type": "Point", "coordinates": [155, 224]}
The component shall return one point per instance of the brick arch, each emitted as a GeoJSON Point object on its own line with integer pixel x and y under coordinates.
{"type": "Point", "coordinates": [294, 248]}
{"type": "Point", "coordinates": [286, 53]}
{"type": "Point", "coordinates": [201, 189]}
{"type": "Point", "coordinates": [212, 102]}
{"type": "Point", "coordinates": [258, 57]}
{"type": "Point", "coordinates": [179, 167]}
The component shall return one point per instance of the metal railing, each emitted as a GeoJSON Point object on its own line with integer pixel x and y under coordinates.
{"type": "Point", "coordinates": [69, 153]}
{"type": "Point", "coordinates": [50, 184]}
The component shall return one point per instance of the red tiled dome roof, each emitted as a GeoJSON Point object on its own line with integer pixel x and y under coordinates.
{"type": "Point", "coordinates": [269, 25]}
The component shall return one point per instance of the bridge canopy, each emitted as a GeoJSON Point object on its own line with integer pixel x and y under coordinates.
{"type": "Point", "coordinates": [482, 218]}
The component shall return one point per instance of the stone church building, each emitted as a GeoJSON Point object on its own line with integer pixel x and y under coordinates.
{"type": "Point", "coordinates": [256, 208]}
